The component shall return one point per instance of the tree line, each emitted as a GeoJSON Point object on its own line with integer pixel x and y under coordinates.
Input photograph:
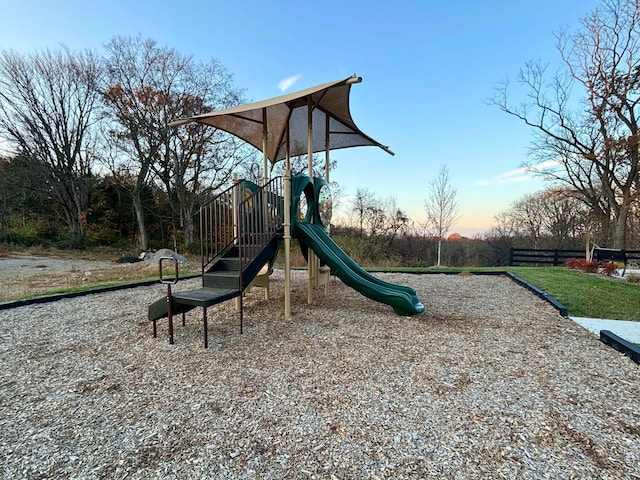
{"type": "Point", "coordinates": [91, 158]}
{"type": "Point", "coordinates": [91, 145]}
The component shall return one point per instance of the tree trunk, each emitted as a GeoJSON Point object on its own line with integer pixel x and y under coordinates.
{"type": "Point", "coordinates": [77, 231]}
{"type": "Point", "coordinates": [187, 225]}
{"type": "Point", "coordinates": [620, 232]}
{"type": "Point", "coordinates": [72, 221]}
{"type": "Point", "coordinates": [142, 229]}
{"type": "Point", "coordinates": [439, 250]}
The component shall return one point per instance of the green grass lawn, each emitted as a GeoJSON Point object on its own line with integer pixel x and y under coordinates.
{"type": "Point", "coordinates": [585, 295]}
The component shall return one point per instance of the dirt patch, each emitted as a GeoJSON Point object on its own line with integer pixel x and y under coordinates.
{"type": "Point", "coordinates": [23, 273]}
{"type": "Point", "coordinates": [29, 265]}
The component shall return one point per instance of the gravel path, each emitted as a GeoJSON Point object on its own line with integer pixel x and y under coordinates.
{"type": "Point", "coordinates": [489, 383]}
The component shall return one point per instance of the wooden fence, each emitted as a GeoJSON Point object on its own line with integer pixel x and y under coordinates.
{"type": "Point", "coordinates": [546, 257]}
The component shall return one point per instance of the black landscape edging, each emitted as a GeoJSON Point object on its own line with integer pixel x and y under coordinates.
{"type": "Point", "coordinates": [437, 272]}
{"type": "Point", "coordinates": [61, 296]}
{"type": "Point", "coordinates": [562, 309]}
{"type": "Point", "coordinates": [620, 344]}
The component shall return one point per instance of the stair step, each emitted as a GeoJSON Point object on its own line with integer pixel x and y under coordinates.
{"type": "Point", "coordinates": [205, 297]}
{"type": "Point", "coordinates": [221, 279]}
{"type": "Point", "coordinates": [231, 264]}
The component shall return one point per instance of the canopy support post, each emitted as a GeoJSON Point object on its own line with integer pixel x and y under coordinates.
{"type": "Point", "coordinates": [311, 258]}
{"type": "Point", "coordinates": [326, 148]}
{"type": "Point", "coordinates": [287, 230]}
{"type": "Point", "coordinates": [265, 174]}
{"type": "Point", "coordinates": [265, 148]}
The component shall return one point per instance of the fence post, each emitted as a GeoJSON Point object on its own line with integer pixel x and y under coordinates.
{"type": "Point", "coordinates": [555, 257]}
{"type": "Point", "coordinates": [510, 256]}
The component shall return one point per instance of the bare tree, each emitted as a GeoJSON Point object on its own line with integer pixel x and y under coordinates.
{"type": "Point", "coordinates": [198, 160]}
{"type": "Point", "coordinates": [590, 142]}
{"type": "Point", "coordinates": [48, 107]}
{"type": "Point", "coordinates": [398, 222]}
{"type": "Point", "coordinates": [138, 75]}
{"type": "Point", "coordinates": [502, 236]}
{"type": "Point", "coordinates": [565, 218]}
{"type": "Point", "coordinates": [548, 219]}
{"type": "Point", "coordinates": [528, 214]}
{"type": "Point", "coordinates": [148, 87]}
{"type": "Point", "coordinates": [361, 206]}
{"type": "Point", "coordinates": [441, 207]}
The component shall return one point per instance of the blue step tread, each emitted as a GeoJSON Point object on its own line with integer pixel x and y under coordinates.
{"type": "Point", "coordinates": [205, 297]}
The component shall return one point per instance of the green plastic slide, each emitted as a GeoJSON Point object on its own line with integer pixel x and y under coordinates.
{"type": "Point", "coordinates": [403, 299]}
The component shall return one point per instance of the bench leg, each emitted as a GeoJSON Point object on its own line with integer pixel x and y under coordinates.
{"type": "Point", "coordinates": [206, 329]}
{"type": "Point", "coordinates": [170, 316]}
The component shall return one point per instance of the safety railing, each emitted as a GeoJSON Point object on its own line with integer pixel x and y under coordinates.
{"type": "Point", "coordinates": [217, 233]}
{"type": "Point", "coordinates": [239, 217]}
{"type": "Point", "coordinates": [260, 218]}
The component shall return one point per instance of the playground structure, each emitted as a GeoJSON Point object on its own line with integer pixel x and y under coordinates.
{"type": "Point", "coordinates": [241, 228]}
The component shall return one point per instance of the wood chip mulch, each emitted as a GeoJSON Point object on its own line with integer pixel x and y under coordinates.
{"type": "Point", "coordinates": [490, 382]}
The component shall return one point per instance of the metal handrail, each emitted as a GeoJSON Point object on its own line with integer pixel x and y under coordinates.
{"type": "Point", "coordinates": [261, 216]}
{"type": "Point", "coordinates": [217, 232]}
{"type": "Point", "coordinates": [247, 221]}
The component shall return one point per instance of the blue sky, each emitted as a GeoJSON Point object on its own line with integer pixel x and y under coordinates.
{"type": "Point", "coordinates": [427, 68]}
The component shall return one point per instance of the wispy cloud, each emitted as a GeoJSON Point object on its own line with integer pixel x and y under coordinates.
{"type": "Point", "coordinates": [519, 175]}
{"type": "Point", "coordinates": [286, 84]}
{"type": "Point", "coordinates": [545, 166]}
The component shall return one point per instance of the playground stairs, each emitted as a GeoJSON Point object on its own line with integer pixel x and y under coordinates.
{"type": "Point", "coordinates": [231, 262]}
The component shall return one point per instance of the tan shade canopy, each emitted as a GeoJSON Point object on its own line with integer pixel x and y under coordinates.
{"type": "Point", "coordinates": [330, 114]}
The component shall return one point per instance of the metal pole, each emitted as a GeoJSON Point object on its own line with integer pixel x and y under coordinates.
{"type": "Point", "coordinates": [310, 136]}
{"type": "Point", "coordinates": [234, 209]}
{"type": "Point", "coordinates": [206, 327]}
{"type": "Point", "coordinates": [265, 146]}
{"type": "Point", "coordinates": [265, 175]}
{"type": "Point", "coordinates": [287, 229]}
{"type": "Point", "coordinates": [241, 322]}
{"type": "Point", "coordinates": [310, 256]}
{"type": "Point", "coordinates": [170, 313]}
{"type": "Point", "coordinates": [326, 148]}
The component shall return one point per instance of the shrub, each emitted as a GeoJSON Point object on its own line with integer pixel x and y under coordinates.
{"type": "Point", "coordinates": [582, 264]}
{"type": "Point", "coordinates": [590, 267]}
{"type": "Point", "coordinates": [574, 263]}
{"type": "Point", "coordinates": [609, 268]}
